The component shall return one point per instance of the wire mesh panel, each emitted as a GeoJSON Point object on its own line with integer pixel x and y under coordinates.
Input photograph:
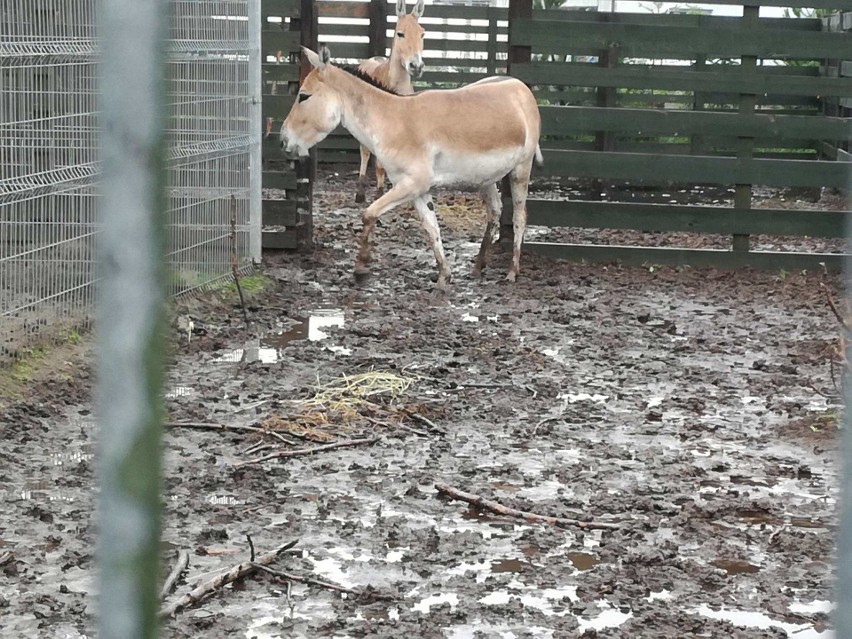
{"type": "Point", "coordinates": [49, 98]}
{"type": "Point", "coordinates": [214, 128]}
{"type": "Point", "coordinates": [48, 169]}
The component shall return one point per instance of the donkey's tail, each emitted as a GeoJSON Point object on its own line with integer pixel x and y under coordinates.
{"type": "Point", "coordinates": [539, 158]}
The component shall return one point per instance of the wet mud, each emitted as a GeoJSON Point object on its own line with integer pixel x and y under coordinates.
{"type": "Point", "coordinates": [693, 408]}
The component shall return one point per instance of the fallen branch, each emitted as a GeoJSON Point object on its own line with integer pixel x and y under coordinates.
{"type": "Point", "coordinates": [378, 422]}
{"type": "Point", "coordinates": [498, 508]}
{"type": "Point", "coordinates": [288, 576]}
{"type": "Point", "coordinates": [309, 451]}
{"type": "Point", "coordinates": [542, 422]}
{"type": "Point", "coordinates": [775, 533]}
{"type": "Point", "coordinates": [179, 568]}
{"type": "Point", "coordinates": [233, 427]}
{"type": "Point", "coordinates": [425, 420]}
{"type": "Point", "coordinates": [237, 572]}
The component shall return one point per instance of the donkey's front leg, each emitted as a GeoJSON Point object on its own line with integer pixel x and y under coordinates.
{"type": "Point", "coordinates": [403, 192]}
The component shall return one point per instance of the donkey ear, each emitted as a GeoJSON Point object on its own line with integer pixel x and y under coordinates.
{"type": "Point", "coordinates": [400, 8]}
{"type": "Point", "coordinates": [418, 9]}
{"type": "Point", "coordinates": [325, 54]}
{"type": "Point", "coordinates": [313, 58]}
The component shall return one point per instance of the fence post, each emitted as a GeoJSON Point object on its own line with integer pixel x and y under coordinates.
{"type": "Point", "coordinates": [518, 10]}
{"type": "Point", "coordinates": [378, 28]}
{"type": "Point", "coordinates": [306, 170]}
{"type": "Point", "coordinates": [131, 315]}
{"type": "Point", "coordinates": [255, 91]}
{"type": "Point", "coordinates": [745, 145]}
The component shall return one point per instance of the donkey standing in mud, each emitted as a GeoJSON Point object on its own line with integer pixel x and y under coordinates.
{"type": "Point", "coordinates": [469, 138]}
{"type": "Point", "coordinates": [405, 62]}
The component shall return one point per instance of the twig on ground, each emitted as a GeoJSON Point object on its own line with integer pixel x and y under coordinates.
{"type": "Point", "coordinates": [180, 566]}
{"type": "Point", "coordinates": [288, 576]}
{"type": "Point", "coordinates": [310, 451]}
{"type": "Point", "coordinates": [234, 267]}
{"type": "Point", "coordinates": [542, 422]}
{"type": "Point", "coordinates": [496, 507]}
{"type": "Point", "coordinates": [378, 422]}
{"type": "Point", "coordinates": [834, 308]}
{"type": "Point", "coordinates": [425, 420]}
{"type": "Point", "coordinates": [775, 533]}
{"type": "Point", "coordinates": [251, 547]}
{"type": "Point", "coordinates": [6, 557]}
{"type": "Point", "coordinates": [256, 448]}
{"type": "Point", "coordinates": [810, 384]}
{"type": "Point", "coordinates": [237, 572]}
{"type": "Point", "coordinates": [233, 427]}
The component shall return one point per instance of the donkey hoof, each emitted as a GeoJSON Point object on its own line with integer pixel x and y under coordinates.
{"type": "Point", "coordinates": [360, 198]}
{"type": "Point", "coordinates": [511, 276]}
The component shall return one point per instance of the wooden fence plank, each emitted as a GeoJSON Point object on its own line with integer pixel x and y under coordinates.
{"type": "Point", "coordinates": [645, 40]}
{"type": "Point", "coordinates": [678, 169]}
{"type": "Point", "coordinates": [284, 180]}
{"type": "Point", "coordinates": [281, 8]}
{"type": "Point", "coordinates": [698, 219]}
{"type": "Point", "coordinates": [646, 122]}
{"type": "Point", "coordinates": [647, 77]}
{"type": "Point", "coordinates": [280, 239]}
{"type": "Point", "coordinates": [280, 212]}
{"type": "Point", "coordinates": [717, 258]}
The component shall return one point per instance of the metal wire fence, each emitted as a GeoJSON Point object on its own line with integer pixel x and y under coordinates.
{"type": "Point", "coordinates": [49, 171]}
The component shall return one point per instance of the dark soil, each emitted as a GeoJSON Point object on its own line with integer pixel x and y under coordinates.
{"type": "Point", "coordinates": [692, 407]}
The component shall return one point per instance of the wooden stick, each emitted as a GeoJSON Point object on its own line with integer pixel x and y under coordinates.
{"type": "Point", "coordinates": [237, 572]}
{"type": "Point", "coordinates": [288, 576]}
{"type": "Point", "coordinates": [400, 426]}
{"type": "Point", "coordinates": [309, 451]}
{"type": "Point", "coordinates": [425, 420]}
{"type": "Point", "coordinates": [493, 506]}
{"type": "Point", "coordinates": [234, 268]}
{"type": "Point", "coordinates": [234, 427]}
{"type": "Point", "coordinates": [179, 568]}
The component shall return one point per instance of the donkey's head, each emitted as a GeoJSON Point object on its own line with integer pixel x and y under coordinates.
{"type": "Point", "coordinates": [407, 48]}
{"type": "Point", "coordinates": [316, 111]}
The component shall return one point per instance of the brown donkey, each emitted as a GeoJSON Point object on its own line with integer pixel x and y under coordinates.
{"type": "Point", "coordinates": [468, 137]}
{"type": "Point", "coordinates": [405, 62]}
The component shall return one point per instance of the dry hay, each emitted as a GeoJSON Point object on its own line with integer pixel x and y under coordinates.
{"type": "Point", "coordinates": [341, 405]}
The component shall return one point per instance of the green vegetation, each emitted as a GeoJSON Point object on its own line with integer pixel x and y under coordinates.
{"type": "Point", "coordinates": [251, 284]}
{"type": "Point", "coordinates": [22, 370]}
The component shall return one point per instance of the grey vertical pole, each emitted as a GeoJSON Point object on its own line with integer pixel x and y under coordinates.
{"type": "Point", "coordinates": [256, 127]}
{"type": "Point", "coordinates": [131, 315]}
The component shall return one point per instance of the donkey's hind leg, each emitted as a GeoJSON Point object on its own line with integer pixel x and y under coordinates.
{"type": "Point", "coordinates": [361, 193]}
{"type": "Point", "coordinates": [426, 210]}
{"type": "Point", "coordinates": [493, 208]}
{"type": "Point", "coordinates": [380, 178]}
{"type": "Point", "coordinates": [520, 181]}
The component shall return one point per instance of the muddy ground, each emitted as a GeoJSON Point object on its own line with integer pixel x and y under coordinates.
{"type": "Point", "coordinates": [691, 408]}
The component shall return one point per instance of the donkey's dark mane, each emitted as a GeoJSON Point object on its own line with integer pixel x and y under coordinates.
{"type": "Point", "coordinates": [361, 75]}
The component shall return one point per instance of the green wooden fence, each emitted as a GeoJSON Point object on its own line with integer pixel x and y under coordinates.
{"type": "Point", "coordinates": [640, 100]}
{"type": "Point", "coordinates": [629, 101]}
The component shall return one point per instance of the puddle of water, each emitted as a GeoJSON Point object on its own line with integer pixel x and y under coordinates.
{"type": "Point", "coordinates": [763, 622]}
{"type": "Point", "coordinates": [481, 628]}
{"type": "Point", "coordinates": [735, 566]}
{"type": "Point", "coordinates": [425, 604]}
{"type": "Point", "coordinates": [178, 391]}
{"type": "Point", "coordinates": [545, 600]}
{"type": "Point", "coordinates": [507, 565]}
{"type": "Point", "coordinates": [582, 560]}
{"type": "Point", "coordinates": [608, 618]}
{"type": "Point", "coordinates": [223, 500]}
{"type": "Point", "coordinates": [267, 350]}
{"type": "Point", "coordinates": [809, 608]}
{"type": "Point", "coordinates": [84, 454]}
